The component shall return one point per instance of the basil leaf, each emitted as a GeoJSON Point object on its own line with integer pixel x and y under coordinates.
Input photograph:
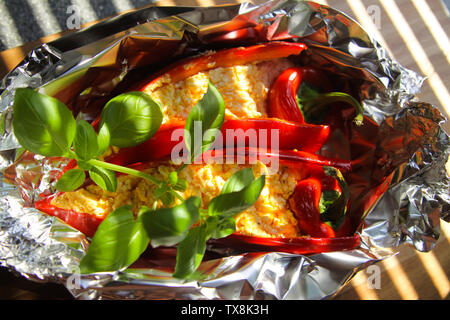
{"type": "Point", "coordinates": [104, 178]}
{"type": "Point", "coordinates": [85, 143]}
{"type": "Point", "coordinates": [206, 116]}
{"type": "Point", "coordinates": [132, 118]}
{"type": "Point", "coordinates": [229, 204]}
{"type": "Point", "coordinates": [42, 124]}
{"type": "Point", "coordinates": [168, 226]}
{"type": "Point", "coordinates": [85, 165]}
{"type": "Point", "coordinates": [173, 178]}
{"type": "Point", "coordinates": [71, 180]}
{"type": "Point", "coordinates": [167, 198]}
{"type": "Point", "coordinates": [238, 181]}
{"type": "Point", "coordinates": [103, 139]}
{"type": "Point", "coordinates": [181, 185]}
{"type": "Point", "coordinates": [221, 227]}
{"type": "Point", "coordinates": [119, 241]}
{"type": "Point", "coordinates": [190, 252]}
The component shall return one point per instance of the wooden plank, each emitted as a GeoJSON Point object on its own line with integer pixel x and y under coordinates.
{"type": "Point", "coordinates": [410, 275]}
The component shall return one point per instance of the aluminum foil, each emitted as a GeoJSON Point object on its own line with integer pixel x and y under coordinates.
{"type": "Point", "coordinates": [400, 191]}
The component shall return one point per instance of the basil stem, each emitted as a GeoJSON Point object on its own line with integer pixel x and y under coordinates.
{"type": "Point", "coordinates": [125, 170]}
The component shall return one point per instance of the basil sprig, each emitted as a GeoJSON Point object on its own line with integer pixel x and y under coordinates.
{"type": "Point", "coordinates": [204, 122]}
{"type": "Point", "coordinates": [45, 126]}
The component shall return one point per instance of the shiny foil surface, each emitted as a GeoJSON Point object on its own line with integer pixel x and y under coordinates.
{"type": "Point", "coordinates": [401, 189]}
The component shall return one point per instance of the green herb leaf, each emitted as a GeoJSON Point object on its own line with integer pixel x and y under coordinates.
{"type": "Point", "coordinates": [221, 227]}
{"type": "Point", "coordinates": [71, 180]}
{"type": "Point", "coordinates": [103, 139]}
{"type": "Point", "coordinates": [85, 165]}
{"type": "Point", "coordinates": [207, 116]}
{"type": "Point", "coordinates": [104, 178]}
{"type": "Point", "coordinates": [85, 143]}
{"type": "Point", "coordinates": [238, 181]}
{"type": "Point", "coordinates": [132, 118]}
{"type": "Point", "coordinates": [168, 226]}
{"type": "Point", "coordinates": [173, 178]}
{"type": "Point", "coordinates": [190, 252]}
{"type": "Point", "coordinates": [42, 124]}
{"type": "Point", "coordinates": [167, 198]}
{"type": "Point", "coordinates": [119, 241]}
{"type": "Point", "coordinates": [229, 204]}
{"type": "Point", "coordinates": [181, 185]}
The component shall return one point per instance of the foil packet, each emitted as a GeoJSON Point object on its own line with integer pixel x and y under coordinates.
{"type": "Point", "coordinates": [402, 187]}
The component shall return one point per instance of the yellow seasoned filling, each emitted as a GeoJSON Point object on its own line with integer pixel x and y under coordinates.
{"type": "Point", "coordinates": [268, 217]}
{"type": "Point", "coordinates": [243, 88]}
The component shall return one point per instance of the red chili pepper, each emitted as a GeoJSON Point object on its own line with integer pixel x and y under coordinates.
{"type": "Point", "coordinates": [283, 94]}
{"type": "Point", "coordinates": [304, 202]}
{"type": "Point", "coordinates": [308, 138]}
{"type": "Point", "coordinates": [286, 157]}
{"type": "Point", "coordinates": [308, 104]}
{"type": "Point", "coordinates": [221, 59]}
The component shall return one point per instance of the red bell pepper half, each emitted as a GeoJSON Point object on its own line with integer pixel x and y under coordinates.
{"type": "Point", "coordinates": [221, 59]}
{"type": "Point", "coordinates": [84, 222]}
{"type": "Point", "coordinates": [306, 137]}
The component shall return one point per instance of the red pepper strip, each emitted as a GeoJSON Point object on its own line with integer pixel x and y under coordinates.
{"type": "Point", "coordinates": [291, 135]}
{"type": "Point", "coordinates": [84, 222]}
{"type": "Point", "coordinates": [306, 245]}
{"type": "Point", "coordinates": [305, 137]}
{"type": "Point", "coordinates": [158, 147]}
{"type": "Point", "coordinates": [283, 93]}
{"type": "Point", "coordinates": [287, 157]}
{"type": "Point", "coordinates": [304, 202]}
{"type": "Point", "coordinates": [221, 59]}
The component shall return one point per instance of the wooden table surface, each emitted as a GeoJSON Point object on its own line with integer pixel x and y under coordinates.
{"type": "Point", "coordinates": [416, 34]}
